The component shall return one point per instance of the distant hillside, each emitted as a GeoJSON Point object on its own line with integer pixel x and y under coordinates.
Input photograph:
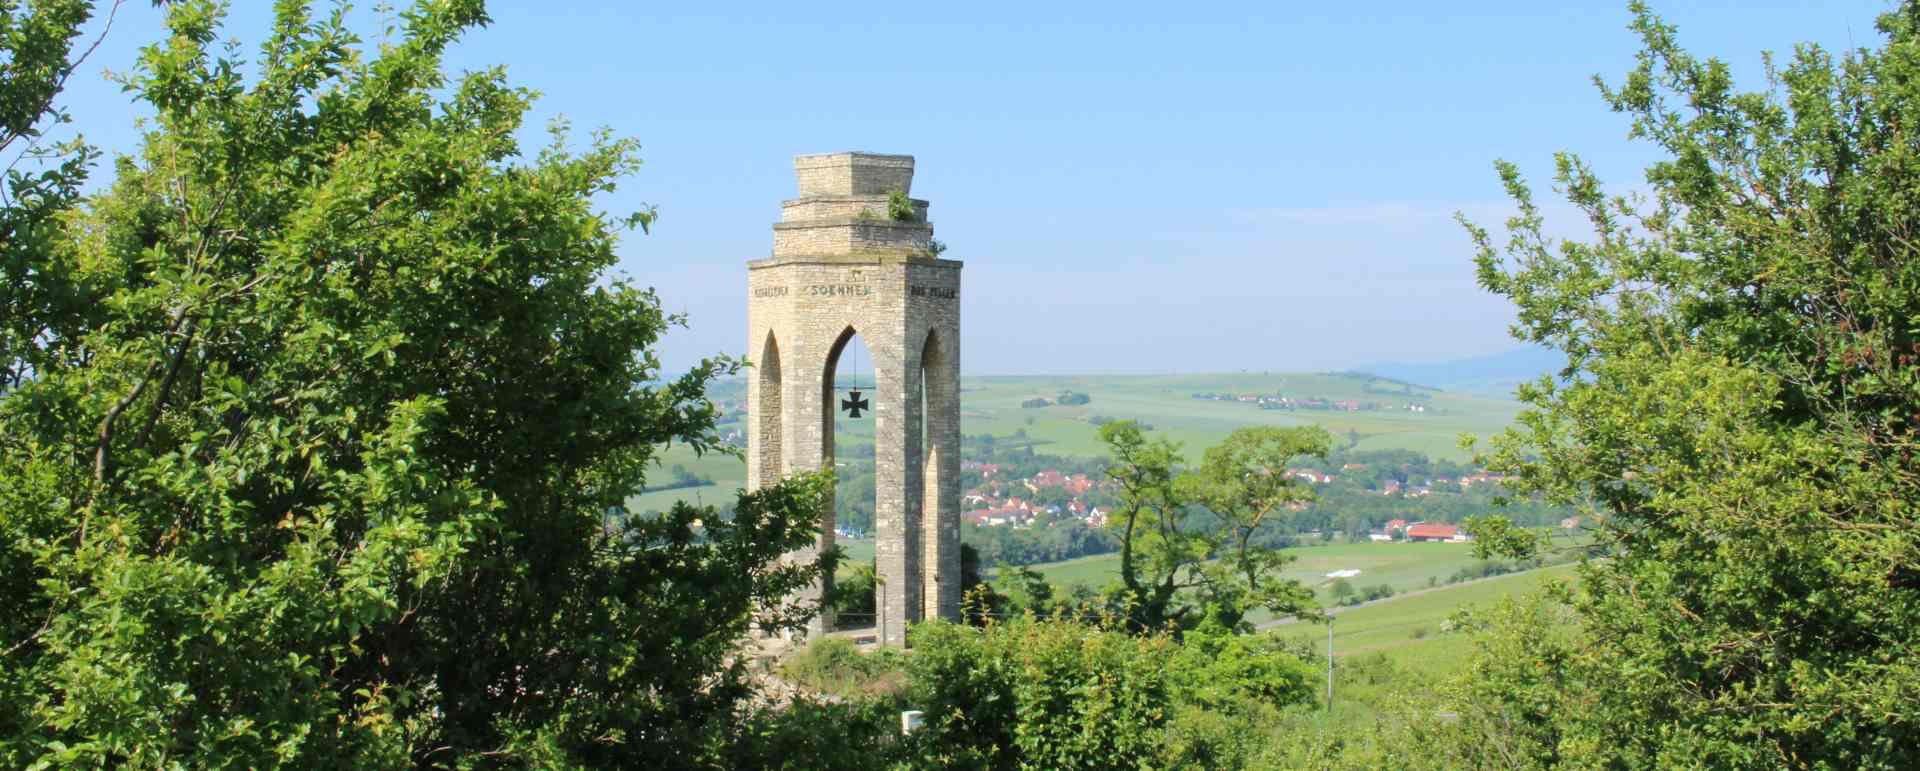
{"type": "Point", "coordinates": [1493, 375]}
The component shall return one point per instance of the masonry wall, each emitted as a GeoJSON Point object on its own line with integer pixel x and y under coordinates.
{"type": "Point", "coordinates": [843, 207]}
{"type": "Point", "coordinates": [849, 236]}
{"type": "Point", "coordinates": [853, 173]}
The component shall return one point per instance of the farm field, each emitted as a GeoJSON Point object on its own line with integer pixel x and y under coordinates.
{"type": "Point", "coordinates": [991, 405]}
{"type": "Point", "coordinates": [1403, 566]}
{"type": "Point", "coordinates": [859, 551]}
{"type": "Point", "coordinates": [727, 472]}
{"type": "Point", "coordinates": [1389, 627]}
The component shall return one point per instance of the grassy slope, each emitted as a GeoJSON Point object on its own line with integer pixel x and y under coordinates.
{"type": "Point", "coordinates": [1403, 566]}
{"type": "Point", "coordinates": [728, 474]}
{"type": "Point", "coordinates": [1389, 627]}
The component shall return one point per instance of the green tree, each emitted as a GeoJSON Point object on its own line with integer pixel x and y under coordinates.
{"type": "Point", "coordinates": [1738, 415]}
{"type": "Point", "coordinates": [1022, 590]}
{"type": "Point", "coordinates": [41, 307]}
{"type": "Point", "coordinates": [1243, 483]}
{"type": "Point", "coordinates": [326, 482]}
{"type": "Point", "coordinates": [1187, 553]}
{"type": "Point", "coordinates": [1341, 590]}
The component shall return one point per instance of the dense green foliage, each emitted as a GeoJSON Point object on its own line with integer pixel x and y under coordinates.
{"type": "Point", "coordinates": [1039, 694]}
{"type": "Point", "coordinates": [40, 306]}
{"type": "Point", "coordinates": [1058, 695]}
{"type": "Point", "coordinates": [833, 666]}
{"type": "Point", "coordinates": [1740, 411]}
{"type": "Point", "coordinates": [1187, 551]}
{"type": "Point", "coordinates": [323, 477]}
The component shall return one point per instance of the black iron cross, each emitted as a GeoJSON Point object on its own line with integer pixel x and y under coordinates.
{"type": "Point", "coordinates": [853, 404]}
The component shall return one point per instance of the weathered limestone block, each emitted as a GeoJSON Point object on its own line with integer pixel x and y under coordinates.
{"type": "Point", "coordinates": [848, 237]}
{"type": "Point", "coordinates": [853, 174]}
{"type": "Point", "coordinates": [837, 207]}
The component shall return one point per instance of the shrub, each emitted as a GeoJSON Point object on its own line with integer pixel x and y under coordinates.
{"type": "Point", "coordinates": [809, 735]}
{"type": "Point", "coordinates": [834, 666]}
{"type": "Point", "coordinates": [1482, 569]}
{"type": "Point", "coordinates": [900, 207]}
{"type": "Point", "coordinates": [852, 599]}
{"type": "Point", "coordinates": [1036, 693]}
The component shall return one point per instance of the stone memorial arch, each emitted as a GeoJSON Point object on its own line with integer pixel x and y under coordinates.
{"type": "Point", "coordinates": [843, 264]}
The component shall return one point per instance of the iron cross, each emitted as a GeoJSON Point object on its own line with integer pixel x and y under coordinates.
{"type": "Point", "coordinates": [853, 404]}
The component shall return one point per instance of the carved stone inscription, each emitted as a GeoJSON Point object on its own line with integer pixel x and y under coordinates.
{"type": "Point", "coordinates": [836, 290]}
{"type": "Point", "coordinates": [853, 285]}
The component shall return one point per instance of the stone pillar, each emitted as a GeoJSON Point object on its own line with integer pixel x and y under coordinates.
{"type": "Point", "coordinates": [896, 437]}
{"type": "Point", "coordinates": [844, 263]}
{"type": "Point", "coordinates": [940, 516]}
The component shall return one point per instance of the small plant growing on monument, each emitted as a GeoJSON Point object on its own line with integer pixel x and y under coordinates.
{"type": "Point", "coordinates": [935, 248]}
{"type": "Point", "coordinates": [900, 207]}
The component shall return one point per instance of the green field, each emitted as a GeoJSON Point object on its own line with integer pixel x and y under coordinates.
{"type": "Point", "coordinates": [1389, 626]}
{"type": "Point", "coordinates": [859, 551]}
{"type": "Point", "coordinates": [991, 405]}
{"type": "Point", "coordinates": [1407, 629]}
{"type": "Point", "coordinates": [1403, 566]}
{"type": "Point", "coordinates": [728, 474]}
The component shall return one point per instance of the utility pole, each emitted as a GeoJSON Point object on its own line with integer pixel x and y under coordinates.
{"type": "Point", "coordinates": [1329, 662]}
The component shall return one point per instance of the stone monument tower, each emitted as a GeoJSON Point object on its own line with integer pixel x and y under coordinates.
{"type": "Point", "coordinates": [843, 264]}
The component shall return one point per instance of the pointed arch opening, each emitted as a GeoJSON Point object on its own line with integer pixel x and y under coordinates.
{"type": "Point", "coordinates": [847, 439]}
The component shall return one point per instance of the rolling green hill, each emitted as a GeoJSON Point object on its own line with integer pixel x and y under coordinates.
{"type": "Point", "coordinates": [992, 405]}
{"type": "Point", "coordinates": [1409, 629]}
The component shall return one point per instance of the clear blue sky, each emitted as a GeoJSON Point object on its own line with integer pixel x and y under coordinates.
{"type": "Point", "coordinates": [1165, 187]}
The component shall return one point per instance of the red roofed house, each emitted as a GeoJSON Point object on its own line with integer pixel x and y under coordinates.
{"type": "Point", "coordinates": [1079, 484]}
{"type": "Point", "coordinates": [1048, 478]}
{"type": "Point", "coordinates": [1434, 531]}
{"type": "Point", "coordinates": [1310, 475]}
